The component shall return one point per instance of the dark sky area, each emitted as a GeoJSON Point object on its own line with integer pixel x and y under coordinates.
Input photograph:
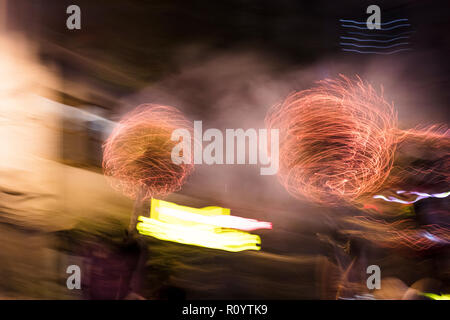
{"type": "Point", "coordinates": [128, 45]}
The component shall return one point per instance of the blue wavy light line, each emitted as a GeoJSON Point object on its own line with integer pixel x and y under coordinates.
{"type": "Point", "coordinates": [394, 27]}
{"type": "Point", "coordinates": [390, 52]}
{"type": "Point", "coordinates": [378, 47]}
{"type": "Point", "coordinates": [379, 35]}
{"type": "Point", "coordinates": [374, 40]}
{"type": "Point", "coordinates": [383, 24]}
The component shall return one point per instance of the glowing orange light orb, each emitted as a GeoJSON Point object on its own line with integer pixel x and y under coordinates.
{"type": "Point", "coordinates": [137, 155]}
{"type": "Point", "coordinates": [337, 141]}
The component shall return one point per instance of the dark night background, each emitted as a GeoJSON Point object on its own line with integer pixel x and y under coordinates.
{"type": "Point", "coordinates": [127, 45]}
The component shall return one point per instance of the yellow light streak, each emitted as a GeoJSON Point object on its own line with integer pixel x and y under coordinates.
{"type": "Point", "coordinates": [200, 235]}
{"type": "Point", "coordinates": [208, 227]}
